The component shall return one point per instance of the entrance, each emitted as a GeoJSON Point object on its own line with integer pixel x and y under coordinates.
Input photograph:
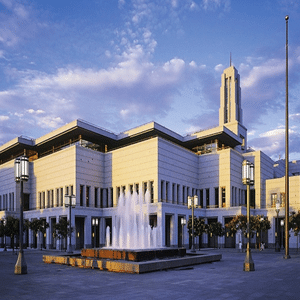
{"type": "Point", "coordinates": [180, 232]}
{"type": "Point", "coordinates": [79, 230]}
{"type": "Point", "coordinates": [168, 230]}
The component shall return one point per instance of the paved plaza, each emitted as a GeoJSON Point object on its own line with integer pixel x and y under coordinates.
{"type": "Point", "coordinates": [273, 278]}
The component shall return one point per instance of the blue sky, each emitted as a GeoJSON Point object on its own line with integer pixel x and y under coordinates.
{"type": "Point", "coordinates": [119, 64]}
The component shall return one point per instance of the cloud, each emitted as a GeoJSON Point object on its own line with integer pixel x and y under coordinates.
{"type": "Point", "coordinates": [15, 22]}
{"type": "Point", "coordinates": [4, 118]}
{"type": "Point", "coordinates": [216, 4]}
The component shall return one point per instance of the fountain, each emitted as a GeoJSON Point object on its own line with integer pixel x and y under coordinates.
{"type": "Point", "coordinates": [131, 229]}
{"type": "Point", "coordinates": [136, 247]}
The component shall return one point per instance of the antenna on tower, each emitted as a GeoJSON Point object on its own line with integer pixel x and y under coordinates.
{"type": "Point", "coordinates": [230, 60]}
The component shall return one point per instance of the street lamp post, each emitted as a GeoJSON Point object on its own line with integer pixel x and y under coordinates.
{"type": "Point", "coordinates": [281, 233]}
{"type": "Point", "coordinates": [287, 255]}
{"type": "Point", "coordinates": [70, 201]}
{"type": "Point", "coordinates": [183, 222]}
{"type": "Point", "coordinates": [192, 204]}
{"type": "Point", "coordinates": [277, 247]}
{"type": "Point", "coordinates": [5, 248]}
{"type": "Point", "coordinates": [21, 169]}
{"type": "Point", "coordinates": [248, 179]}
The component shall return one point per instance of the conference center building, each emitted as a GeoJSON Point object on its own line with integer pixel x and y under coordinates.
{"type": "Point", "coordinates": [97, 165]}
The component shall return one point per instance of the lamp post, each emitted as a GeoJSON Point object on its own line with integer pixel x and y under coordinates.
{"type": "Point", "coordinates": [4, 224]}
{"type": "Point", "coordinates": [21, 169]}
{"type": "Point", "coordinates": [183, 222]}
{"type": "Point", "coordinates": [287, 255]}
{"type": "Point", "coordinates": [192, 204]}
{"type": "Point", "coordinates": [70, 201]}
{"type": "Point", "coordinates": [281, 233]}
{"type": "Point", "coordinates": [248, 179]}
{"type": "Point", "coordinates": [277, 209]}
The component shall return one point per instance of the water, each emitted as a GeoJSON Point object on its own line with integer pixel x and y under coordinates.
{"type": "Point", "coordinates": [131, 229]}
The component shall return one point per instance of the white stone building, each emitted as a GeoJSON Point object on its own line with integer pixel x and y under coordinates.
{"type": "Point", "coordinates": [96, 165]}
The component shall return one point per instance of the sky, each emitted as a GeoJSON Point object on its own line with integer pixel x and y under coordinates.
{"type": "Point", "coordinates": [119, 64]}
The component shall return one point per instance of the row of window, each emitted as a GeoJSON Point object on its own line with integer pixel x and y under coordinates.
{"type": "Point", "coordinates": [7, 202]}
{"type": "Point", "coordinates": [137, 188]}
{"type": "Point", "coordinates": [281, 199]}
{"type": "Point", "coordinates": [103, 197]}
{"type": "Point", "coordinates": [178, 194]}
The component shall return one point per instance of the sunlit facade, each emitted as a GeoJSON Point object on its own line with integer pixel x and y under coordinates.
{"type": "Point", "coordinates": [96, 166]}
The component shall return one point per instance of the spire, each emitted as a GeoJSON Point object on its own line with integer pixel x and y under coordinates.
{"type": "Point", "coordinates": [230, 60]}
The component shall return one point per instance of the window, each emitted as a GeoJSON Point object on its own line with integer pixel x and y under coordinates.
{"type": "Point", "coordinates": [81, 195]}
{"type": "Point", "coordinates": [96, 197]}
{"type": "Point", "coordinates": [273, 199]}
{"type": "Point", "coordinates": [61, 196]}
{"type": "Point", "coordinates": [207, 197]}
{"type": "Point", "coordinates": [87, 196]}
{"type": "Point", "coordinates": [216, 197]}
{"type": "Point", "coordinates": [151, 192]}
{"type": "Point", "coordinates": [201, 198]}
{"type": "Point", "coordinates": [282, 199]}
{"type": "Point", "coordinates": [162, 191]}
{"type": "Point", "coordinates": [167, 190]}
{"type": "Point", "coordinates": [223, 195]}
{"type": "Point", "coordinates": [44, 200]}
{"type": "Point", "coordinates": [111, 198]}
{"type": "Point", "coordinates": [57, 198]}
{"type": "Point", "coordinates": [173, 192]}
{"type": "Point", "coordinates": [183, 195]}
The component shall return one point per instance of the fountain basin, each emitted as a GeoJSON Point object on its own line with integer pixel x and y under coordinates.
{"type": "Point", "coordinates": [134, 254]}
{"type": "Point", "coordinates": [121, 265]}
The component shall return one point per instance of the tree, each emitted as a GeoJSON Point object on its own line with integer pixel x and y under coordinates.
{"type": "Point", "coordinates": [294, 222]}
{"type": "Point", "coordinates": [258, 224]}
{"type": "Point", "coordinates": [61, 229]}
{"type": "Point", "coordinates": [215, 229]}
{"type": "Point", "coordinates": [39, 225]}
{"type": "Point", "coordinates": [11, 229]}
{"type": "Point", "coordinates": [199, 227]}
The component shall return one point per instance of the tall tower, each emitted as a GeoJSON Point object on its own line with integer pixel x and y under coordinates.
{"type": "Point", "coordinates": [231, 113]}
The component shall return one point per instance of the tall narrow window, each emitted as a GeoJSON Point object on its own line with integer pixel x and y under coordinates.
{"type": "Point", "coordinates": [216, 197]}
{"type": "Point", "coordinates": [96, 197]}
{"type": "Point", "coordinates": [167, 190]}
{"type": "Point", "coordinates": [81, 195]}
{"type": "Point", "coordinates": [87, 196]}
{"type": "Point", "coordinates": [111, 197]}
{"type": "Point", "coordinates": [61, 196]}
{"type": "Point", "coordinates": [201, 198]}
{"type": "Point", "coordinates": [273, 199]}
{"type": "Point", "coordinates": [183, 195]}
{"type": "Point", "coordinates": [282, 199]}
{"type": "Point", "coordinates": [207, 197]}
{"type": "Point", "coordinates": [223, 191]}
{"type": "Point", "coordinates": [152, 191]}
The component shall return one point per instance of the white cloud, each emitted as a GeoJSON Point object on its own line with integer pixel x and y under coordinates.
{"type": "Point", "coordinates": [4, 118]}
{"type": "Point", "coordinates": [271, 68]}
{"type": "Point", "coordinates": [219, 68]}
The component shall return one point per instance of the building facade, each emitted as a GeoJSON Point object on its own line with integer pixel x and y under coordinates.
{"type": "Point", "coordinates": [97, 165]}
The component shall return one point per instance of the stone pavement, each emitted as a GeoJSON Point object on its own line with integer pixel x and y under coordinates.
{"type": "Point", "coordinates": [273, 278]}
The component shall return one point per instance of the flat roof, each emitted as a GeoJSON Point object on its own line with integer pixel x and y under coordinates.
{"type": "Point", "coordinates": [79, 129]}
